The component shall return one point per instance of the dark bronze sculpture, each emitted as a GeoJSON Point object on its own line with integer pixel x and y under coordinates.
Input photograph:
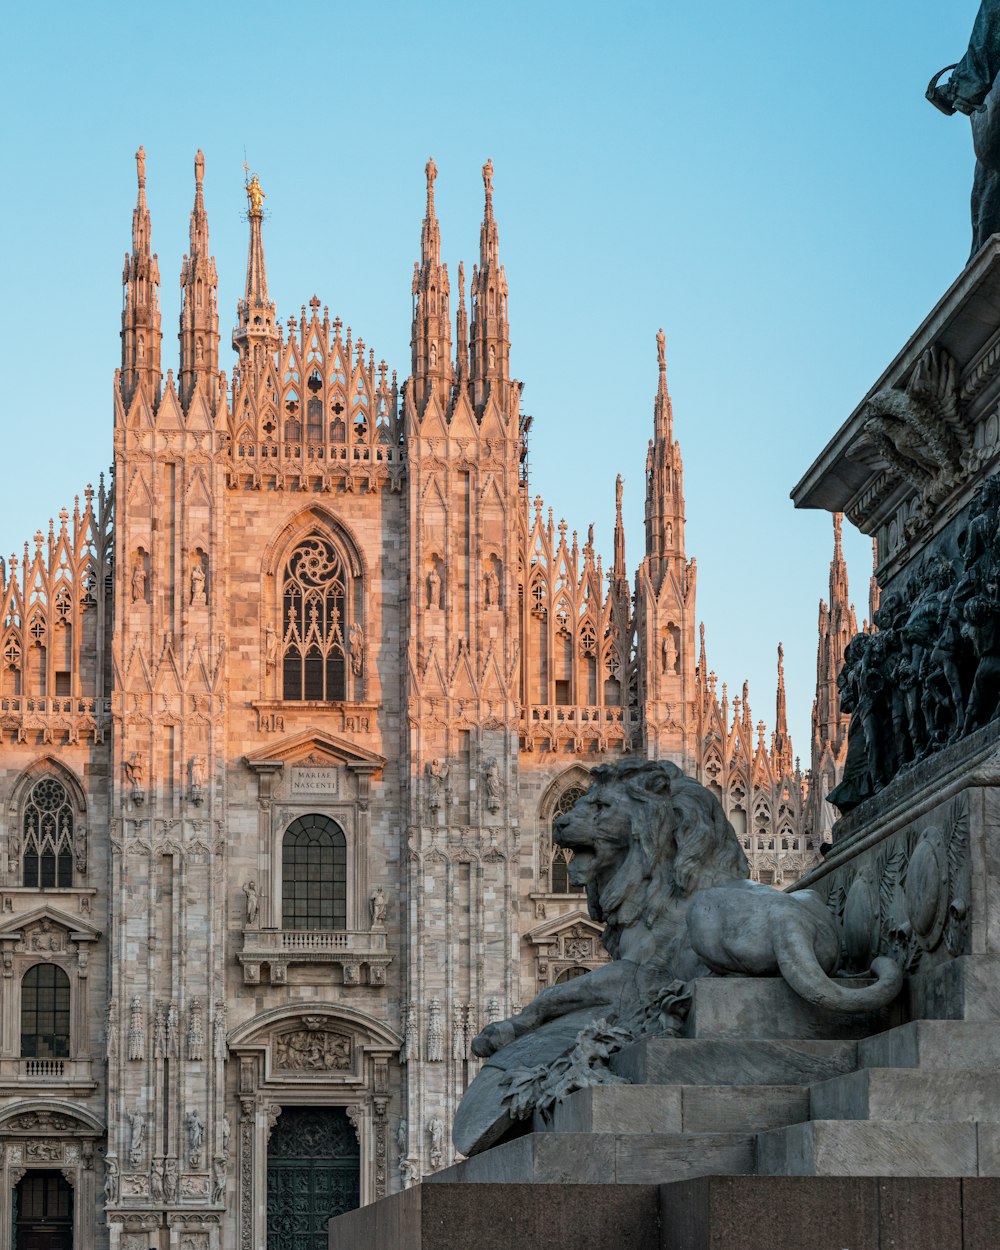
{"type": "Point", "coordinates": [930, 674]}
{"type": "Point", "coordinates": [969, 90]}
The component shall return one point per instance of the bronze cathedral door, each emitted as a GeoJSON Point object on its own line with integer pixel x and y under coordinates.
{"type": "Point", "coordinates": [313, 1173]}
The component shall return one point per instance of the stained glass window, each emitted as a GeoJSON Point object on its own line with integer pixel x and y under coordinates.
{"type": "Point", "coordinates": [314, 601]}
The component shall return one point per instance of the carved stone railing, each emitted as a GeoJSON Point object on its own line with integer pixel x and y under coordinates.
{"type": "Point", "coordinates": [55, 714]}
{"type": "Point", "coordinates": [352, 949]}
{"type": "Point", "coordinates": [61, 1073]}
{"type": "Point", "coordinates": [557, 714]}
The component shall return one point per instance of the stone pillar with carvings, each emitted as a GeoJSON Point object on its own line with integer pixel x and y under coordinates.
{"type": "Point", "coordinates": [166, 831]}
{"type": "Point", "coordinates": [461, 860]}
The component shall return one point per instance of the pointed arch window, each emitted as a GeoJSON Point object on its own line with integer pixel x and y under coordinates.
{"type": "Point", "coordinates": [47, 842]}
{"type": "Point", "coordinates": [314, 606]}
{"type": "Point", "coordinates": [559, 882]}
{"type": "Point", "coordinates": [314, 874]}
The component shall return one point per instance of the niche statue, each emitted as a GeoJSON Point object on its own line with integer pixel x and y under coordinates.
{"type": "Point", "coordinates": [664, 870]}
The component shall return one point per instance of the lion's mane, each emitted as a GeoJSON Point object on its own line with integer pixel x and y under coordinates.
{"type": "Point", "coordinates": [680, 841]}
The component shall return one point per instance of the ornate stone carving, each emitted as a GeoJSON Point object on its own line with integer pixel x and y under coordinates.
{"type": "Point", "coordinates": [219, 1029]}
{"type": "Point", "coordinates": [918, 433]}
{"type": "Point", "coordinates": [435, 1032]}
{"type": "Point", "coordinates": [252, 904]}
{"type": "Point", "coordinates": [313, 1048]}
{"type": "Point", "coordinates": [136, 1030]}
{"type": "Point", "coordinates": [44, 1151]}
{"type": "Point", "coordinates": [170, 1180]}
{"type": "Point", "coordinates": [378, 908]}
{"type": "Point", "coordinates": [111, 1180]}
{"type": "Point", "coordinates": [411, 1035]}
{"type": "Point", "coordinates": [437, 775]}
{"type": "Point", "coordinates": [435, 1131]}
{"type": "Point", "coordinates": [137, 1135]}
{"type": "Point", "coordinates": [195, 1127]}
{"type": "Point", "coordinates": [196, 1032]}
{"type": "Point", "coordinates": [173, 1031]}
{"type": "Point", "coordinates": [493, 784]}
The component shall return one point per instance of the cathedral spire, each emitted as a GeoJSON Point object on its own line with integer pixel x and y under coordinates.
{"type": "Point", "coordinates": [664, 481]}
{"type": "Point", "coordinates": [461, 330]}
{"type": "Point", "coordinates": [255, 312]}
{"type": "Point", "coordinates": [782, 742]}
{"type": "Point", "coordinates": [430, 340]}
{"type": "Point", "coordinates": [141, 335]}
{"type": "Point", "coordinates": [620, 569]}
{"type": "Point", "coordinates": [490, 346]}
{"type": "Point", "coordinates": [199, 328]}
{"type": "Point", "coordinates": [837, 626]}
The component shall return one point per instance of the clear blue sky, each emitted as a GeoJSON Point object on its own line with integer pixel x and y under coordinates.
{"type": "Point", "coordinates": [763, 180]}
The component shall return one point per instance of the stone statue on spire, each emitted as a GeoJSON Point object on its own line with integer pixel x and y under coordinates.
{"type": "Point", "coordinates": [661, 349]}
{"type": "Point", "coordinates": [199, 167]}
{"type": "Point", "coordinates": [140, 165]}
{"type": "Point", "coordinates": [488, 179]}
{"type": "Point", "coordinates": [619, 488]}
{"type": "Point", "coordinates": [431, 170]}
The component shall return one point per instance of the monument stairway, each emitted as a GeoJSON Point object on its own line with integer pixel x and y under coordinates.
{"type": "Point", "coordinates": [766, 1101]}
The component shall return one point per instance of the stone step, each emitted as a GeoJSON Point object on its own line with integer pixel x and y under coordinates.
{"type": "Point", "coordinates": [677, 1109]}
{"type": "Point", "coordinates": [504, 1217]}
{"type": "Point", "coordinates": [604, 1158]}
{"type": "Point", "coordinates": [935, 1045]}
{"type": "Point", "coordinates": [885, 1148]}
{"type": "Point", "coordinates": [727, 1061]}
{"type": "Point", "coordinates": [906, 1094]}
{"type": "Point", "coordinates": [767, 1008]}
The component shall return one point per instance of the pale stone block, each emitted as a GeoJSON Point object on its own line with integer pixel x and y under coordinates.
{"type": "Point", "coordinates": [697, 1061]}
{"type": "Point", "coordinates": [887, 1094]}
{"type": "Point", "coordinates": [850, 1148]}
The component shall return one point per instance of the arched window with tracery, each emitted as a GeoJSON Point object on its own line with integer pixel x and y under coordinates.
{"type": "Point", "coordinates": [314, 607]}
{"type": "Point", "coordinates": [314, 874]}
{"type": "Point", "coordinates": [44, 1013]}
{"type": "Point", "coordinates": [47, 836]}
{"type": "Point", "coordinates": [559, 862]}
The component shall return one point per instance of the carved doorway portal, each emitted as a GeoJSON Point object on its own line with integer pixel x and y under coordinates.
{"type": "Point", "coordinates": [43, 1212]}
{"type": "Point", "coordinates": [313, 1174]}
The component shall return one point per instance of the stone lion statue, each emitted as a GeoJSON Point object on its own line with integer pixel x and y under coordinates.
{"type": "Point", "coordinates": [664, 870]}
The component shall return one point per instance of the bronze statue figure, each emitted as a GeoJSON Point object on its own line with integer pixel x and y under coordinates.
{"type": "Point", "coordinates": [969, 90]}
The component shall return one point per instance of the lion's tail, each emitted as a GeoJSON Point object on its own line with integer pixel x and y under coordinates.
{"type": "Point", "coordinates": [803, 972]}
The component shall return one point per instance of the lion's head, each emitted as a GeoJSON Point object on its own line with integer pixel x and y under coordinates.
{"type": "Point", "coordinates": [644, 836]}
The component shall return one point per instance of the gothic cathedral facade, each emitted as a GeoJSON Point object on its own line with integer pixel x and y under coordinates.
{"type": "Point", "coordinates": [287, 709]}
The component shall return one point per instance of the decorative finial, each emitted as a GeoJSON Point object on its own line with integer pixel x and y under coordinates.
{"type": "Point", "coordinates": [140, 166]}
{"type": "Point", "coordinates": [488, 180]}
{"type": "Point", "coordinates": [255, 197]}
{"type": "Point", "coordinates": [431, 170]}
{"type": "Point", "coordinates": [838, 526]}
{"type": "Point", "coordinates": [199, 167]}
{"type": "Point", "coordinates": [781, 660]}
{"type": "Point", "coordinates": [661, 350]}
{"type": "Point", "coordinates": [619, 489]}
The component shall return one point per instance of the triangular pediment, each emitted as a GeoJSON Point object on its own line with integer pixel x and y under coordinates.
{"type": "Point", "coordinates": [316, 746]}
{"type": "Point", "coordinates": [76, 929]}
{"type": "Point", "coordinates": [549, 930]}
